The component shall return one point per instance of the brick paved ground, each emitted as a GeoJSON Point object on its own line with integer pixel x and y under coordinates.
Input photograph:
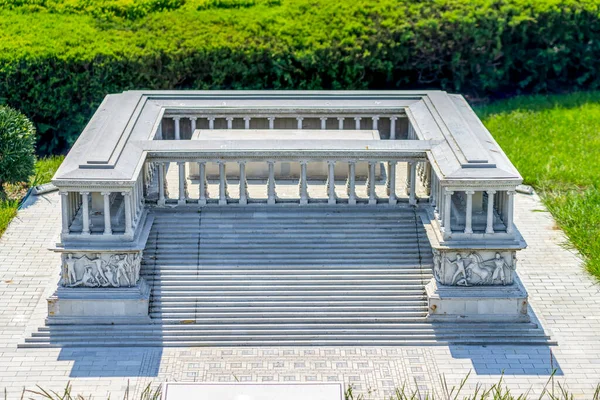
{"type": "Point", "coordinates": [563, 297]}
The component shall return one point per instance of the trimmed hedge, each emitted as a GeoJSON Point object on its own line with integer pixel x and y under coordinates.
{"type": "Point", "coordinates": [59, 58]}
{"type": "Point", "coordinates": [17, 141]}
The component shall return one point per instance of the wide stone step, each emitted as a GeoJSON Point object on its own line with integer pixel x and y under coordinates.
{"type": "Point", "coordinates": [306, 303]}
{"type": "Point", "coordinates": [275, 318]}
{"type": "Point", "coordinates": [160, 290]}
{"type": "Point", "coordinates": [308, 271]}
{"type": "Point", "coordinates": [466, 327]}
{"type": "Point", "coordinates": [233, 275]}
{"type": "Point", "coordinates": [297, 299]}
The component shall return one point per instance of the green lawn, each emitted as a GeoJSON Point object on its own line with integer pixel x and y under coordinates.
{"type": "Point", "coordinates": [44, 170]}
{"type": "Point", "coordinates": [554, 141]}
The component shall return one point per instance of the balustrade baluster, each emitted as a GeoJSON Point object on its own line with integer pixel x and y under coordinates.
{"type": "Point", "coordinates": [271, 195]}
{"type": "Point", "coordinates": [351, 185]}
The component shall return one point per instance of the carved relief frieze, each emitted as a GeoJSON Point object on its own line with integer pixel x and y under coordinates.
{"type": "Point", "coordinates": [100, 270]}
{"type": "Point", "coordinates": [474, 268]}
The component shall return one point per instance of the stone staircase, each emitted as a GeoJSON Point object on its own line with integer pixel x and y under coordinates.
{"type": "Point", "coordinates": [284, 275]}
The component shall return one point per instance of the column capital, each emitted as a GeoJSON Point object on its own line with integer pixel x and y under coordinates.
{"type": "Point", "coordinates": [510, 192]}
{"type": "Point", "coordinates": [341, 118]}
{"type": "Point", "coordinates": [176, 118]}
{"type": "Point", "coordinates": [303, 162]}
{"type": "Point", "coordinates": [357, 118]}
{"type": "Point", "coordinates": [470, 192]}
{"type": "Point", "coordinates": [243, 162]}
{"type": "Point", "coordinates": [105, 193]}
{"type": "Point", "coordinates": [271, 162]}
{"type": "Point", "coordinates": [126, 193]}
{"type": "Point", "coordinates": [210, 118]}
{"type": "Point", "coordinates": [375, 118]}
{"type": "Point", "coordinates": [299, 118]}
{"type": "Point", "coordinates": [193, 118]}
{"type": "Point", "coordinates": [331, 162]}
{"type": "Point", "coordinates": [229, 118]}
{"type": "Point", "coordinates": [221, 162]}
{"type": "Point", "coordinates": [351, 162]}
{"type": "Point", "coordinates": [247, 118]}
{"type": "Point", "coordinates": [393, 118]}
{"type": "Point", "coordinates": [491, 192]}
{"type": "Point", "coordinates": [323, 118]}
{"type": "Point", "coordinates": [84, 193]}
{"type": "Point", "coordinates": [271, 118]}
{"type": "Point", "coordinates": [448, 192]}
{"type": "Point", "coordinates": [64, 193]}
{"type": "Point", "coordinates": [180, 163]}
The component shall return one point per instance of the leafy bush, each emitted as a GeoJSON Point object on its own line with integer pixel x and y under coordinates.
{"type": "Point", "coordinates": [57, 63]}
{"type": "Point", "coordinates": [17, 142]}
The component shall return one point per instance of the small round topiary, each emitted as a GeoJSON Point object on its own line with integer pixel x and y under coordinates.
{"type": "Point", "coordinates": [17, 144]}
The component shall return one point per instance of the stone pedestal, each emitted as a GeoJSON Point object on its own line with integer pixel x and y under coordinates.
{"type": "Point", "coordinates": [84, 305]}
{"type": "Point", "coordinates": [477, 303]}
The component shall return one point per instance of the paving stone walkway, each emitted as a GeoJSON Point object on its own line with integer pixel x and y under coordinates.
{"type": "Point", "coordinates": [563, 297]}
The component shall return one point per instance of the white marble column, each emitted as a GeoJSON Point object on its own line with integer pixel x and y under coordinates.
{"type": "Point", "coordinates": [509, 211]}
{"type": "Point", "coordinates": [357, 123]}
{"type": "Point", "coordinates": [489, 227]}
{"type": "Point", "coordinates": [271, 122]}
{"type": "Point", "coordinates": [299, 120]}
{"type": "Point", "coordinates": [64, 203]}
{"type": "Point", "coordinates": [447, 210]}
{"type": "Point", "coordinates": [371, 182]}
{"type": "Point", "coordinates": [182, 183]}
{"type": "Point", "coordinates": [433, 191]}
{"type": "Point", "coordinates": [391, 182]}
{"type": "Point", "coordinates": [243, 183]}
{"type": "Point", "coordinates": [331, 197]}
{"type": "Point", "coordinates": [177, 128]}
{"type": "Point", "coordinates": [193, 125]}
{"type": "Point", "coordinates": [229, 122]}
{"type": "Point", "coordinates": [469, 212]}
{"type": "Point", "coordinates": [340, 123]}
{"type": "Point", "coordinates": [211, 122]}
{"type": "Point", "coordinates": [107, 224]}
{"type": "Point", "coordinates": [271, 196]}
{"type": "Point", "coordinates": [85, 213]}
{"type": "Point", "coordinates": [412, 196]}
{"type": "Point", "coordinates": [323, 123]}
{"type": "Point", "coordinates": [161, 184]}
{"type": "Point", "coordinates": [375, 122]}
{"type": "Point", "coordinates": [223, 193]}
{"type": "Point", "coordinates": [202, 184]}
{"type": "Point", "coordinates": [351, 186]}
{"type": "Point", "coordinates": [393, 128]}
{"type": "Point", "coordinates": [247, 122]}
{"type": "Point", "coordinates": [128, 214]}
{"type": "Point", "coordinates": [303, 184]}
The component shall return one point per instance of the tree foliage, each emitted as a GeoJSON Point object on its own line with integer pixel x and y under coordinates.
{"type": "Point", "coordinates": [59, 58]}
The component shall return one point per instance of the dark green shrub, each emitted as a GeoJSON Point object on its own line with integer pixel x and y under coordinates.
{"type": "Point", "coordinates": [57, 63]}
{"type": "Point", "coordinates": [17, 143]}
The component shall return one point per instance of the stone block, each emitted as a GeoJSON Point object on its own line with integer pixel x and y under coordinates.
{"type": "Point", "coordinates": [477, 303]}
{"type": "Point", "coordinates": [125, 305]}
